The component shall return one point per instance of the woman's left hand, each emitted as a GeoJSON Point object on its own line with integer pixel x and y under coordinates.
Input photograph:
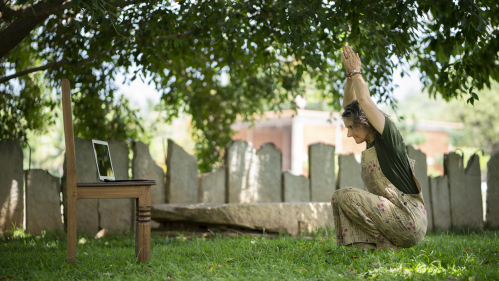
{"type": "Point", "coordinates": [351, 60]}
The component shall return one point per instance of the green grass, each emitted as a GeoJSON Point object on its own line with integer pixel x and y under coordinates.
{"type": "Point", "coordinates": [441, 256]}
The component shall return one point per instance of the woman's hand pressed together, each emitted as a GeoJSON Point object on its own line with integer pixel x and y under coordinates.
{"type": "Point", "coordinates": [351, 60]}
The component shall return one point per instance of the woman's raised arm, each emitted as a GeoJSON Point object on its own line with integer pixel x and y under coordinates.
{"type": "Point", "coordinates": [348, 93]}
{"type": "Point", "coordinates": [351, 62]}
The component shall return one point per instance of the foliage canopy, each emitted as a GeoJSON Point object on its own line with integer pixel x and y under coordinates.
{"type": "Point", "coordinates": [263, 47]}
{"type": "Point", "coordinates": [481, 121]}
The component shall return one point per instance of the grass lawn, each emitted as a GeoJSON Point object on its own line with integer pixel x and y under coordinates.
{"type": "Point", "coordinates": [440, 256]}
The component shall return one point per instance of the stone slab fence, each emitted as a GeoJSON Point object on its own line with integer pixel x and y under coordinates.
{"type": "Point", "coordinates": [248, 176]}
{"type": "Point", "coordinates": [440, 198]}
{"type": "Point", "coordinates": [295, 188]}
{"type": "Point", "coordinates": [349, 172]}
{"type": "Point", "coordinates": [11, 185]}
{"type": "Point", "coordinates": [321, 172]}
{"type": "Point", "coordinates": [492, 214]}
{"type": "Point", "coordinates": [465, 194]}
{"type": "Point", "coordinates": [43, 202]}
{"type": "Point", "coordinates": [238, 157]}
{"type": "Point", "coordinates": [212, 187]}
{"type": "Point", "coordinates": [182, 184]}
{"type": "Point", "coordinates": [421, 171]}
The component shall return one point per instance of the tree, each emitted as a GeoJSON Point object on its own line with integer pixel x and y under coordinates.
{"type": "Point", "coordinates": [263, 47]}
{"type": "Point", "coordinates": [481, 121]}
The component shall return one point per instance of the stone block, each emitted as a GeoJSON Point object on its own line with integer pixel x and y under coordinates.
{"type": "Point", "coordinates": [115, 215]}
{"type": "Point", "coordinates": [290, 218]}
{"type": "Point", "coordinates": [349, 172]}
{"type": "Point", "coordinates": [11, 185]}
{"type": "Point", "coordinates": [212, 187]}
{"type": "Point", "coordinates": [321, 172]}
{"type": "Point", "coordinates": [181, 175]}
{"type": "Point", "coordinates": [474, 214]}
{"type": "Point", "coordinates": [43, 202]}
{"type": "Point", "coordinates": [295, 188]}
{"type": "Point", "coordinates": [143, 167]}
{"type": "Point", "coordinates": [86, 171]}
{"type": "Point", "coordinates": [265, 174]}
{"type": "Point", "coordinates": [463, 213]}
{"type": "Point", "coordinates": [439, 188]}
{"type": "Point", "coordinates": [239, 155]}
{"type": "Point", "coordinates": [492, 214]}
{"type": "Point", "coordinates": [421, 171]}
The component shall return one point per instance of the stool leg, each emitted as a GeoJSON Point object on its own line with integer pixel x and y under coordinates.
{"type": "Point", "coordinates": [137, 246]}
{"type": "Point", "coordinates": [71, 228]}
{"type": "Point", "coordinates": [143, 226]}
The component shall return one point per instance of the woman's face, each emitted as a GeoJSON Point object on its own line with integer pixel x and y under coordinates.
{"type": "Point", "coordinates": [358, 133]}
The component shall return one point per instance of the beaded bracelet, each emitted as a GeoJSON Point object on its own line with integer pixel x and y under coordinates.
{"type": "Point", "coordinates": [349, 75]}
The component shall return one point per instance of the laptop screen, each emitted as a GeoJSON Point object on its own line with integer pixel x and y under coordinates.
{"type": "Point", "coordinates": [103, 160]}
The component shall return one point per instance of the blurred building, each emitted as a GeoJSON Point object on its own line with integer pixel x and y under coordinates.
{"type": "Point", "coordinates": [293, 131]}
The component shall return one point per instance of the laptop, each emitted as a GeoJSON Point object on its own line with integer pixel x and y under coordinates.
{"type": "Point", "coordinates": [104, 164]}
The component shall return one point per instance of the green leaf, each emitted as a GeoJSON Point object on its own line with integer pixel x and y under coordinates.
{"type": "Point", "coordinates": [77, 24]}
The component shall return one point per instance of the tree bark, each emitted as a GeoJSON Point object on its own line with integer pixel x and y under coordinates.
{"type": "Point", "coordinates": [22, 27]}
{"type": "Point", "coordinates": [27, 20]}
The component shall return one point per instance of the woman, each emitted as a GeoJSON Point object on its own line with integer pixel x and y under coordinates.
{"type": "Point", "coordinates": [391, 213]}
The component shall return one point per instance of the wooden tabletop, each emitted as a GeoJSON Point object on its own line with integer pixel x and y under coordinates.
{"type": "Point", "coordinates": [120, 183]}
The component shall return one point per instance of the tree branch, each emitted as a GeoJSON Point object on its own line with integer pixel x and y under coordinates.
{"type": "Point", "coordinates": [47, 66]}
{"type": "Point", "coordinates": [20, 28]}
{"type": "Point", "coordinates": [28, 11]}
{"type": "Point", "coordinates": [34, 11]}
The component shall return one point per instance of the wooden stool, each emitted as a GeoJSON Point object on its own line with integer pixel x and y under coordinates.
{"type": "Point", "coordinates": [138, 190]}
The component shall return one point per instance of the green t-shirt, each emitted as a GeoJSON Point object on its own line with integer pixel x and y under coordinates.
{"type": "Point", "coordinates": [390, 148]}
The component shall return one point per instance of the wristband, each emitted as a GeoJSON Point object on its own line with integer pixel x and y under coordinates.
{"type": "Point", "coordinates": [349, 75]}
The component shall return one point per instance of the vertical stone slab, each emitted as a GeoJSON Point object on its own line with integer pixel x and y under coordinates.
{"type": "Point", "coordinates": [492, 215]}
{"type": "Point", "coordinates": [441, 209]}
{"type": "Point", "coordinates": [459, 205]}
{"type": "Point", "coordinates": [474, 214]}
{"type": "Point", "coordinates": [421, 171]}
{"type": "Point", "coordinates": [239, 155]}
{"type": "Point", "coordinates": [143, 167]}
{"type": "Point", "coordinates": [295, 188]}
{"type": "Point", "coordinates": [181, 175]}
{"type": "Point", "coordinates": [349, 172]}
{"type": "Point", "coordinates": [115, 215]}
{"type": "Point", "coordinates": [86, 171]}
{"type": "Point", "coordinates": [265, 174]}
{"type": "Point", "coordinates": [11, 185]}
{"type": "Point", "coordinates": [321, 171]}
{"type": "Point", "coordinates": [43, 202]}
{"type": "Point", "coordinates": [212, 187]}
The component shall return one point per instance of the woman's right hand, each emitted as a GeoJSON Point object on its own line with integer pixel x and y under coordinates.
{"type": "Point", "coordinates": [351, 60]}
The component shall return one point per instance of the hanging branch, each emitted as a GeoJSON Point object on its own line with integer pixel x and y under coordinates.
{"type": "Point", "coordinates": [47, 66]}
{"type": "Point", "coordinates": [82, 62]}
